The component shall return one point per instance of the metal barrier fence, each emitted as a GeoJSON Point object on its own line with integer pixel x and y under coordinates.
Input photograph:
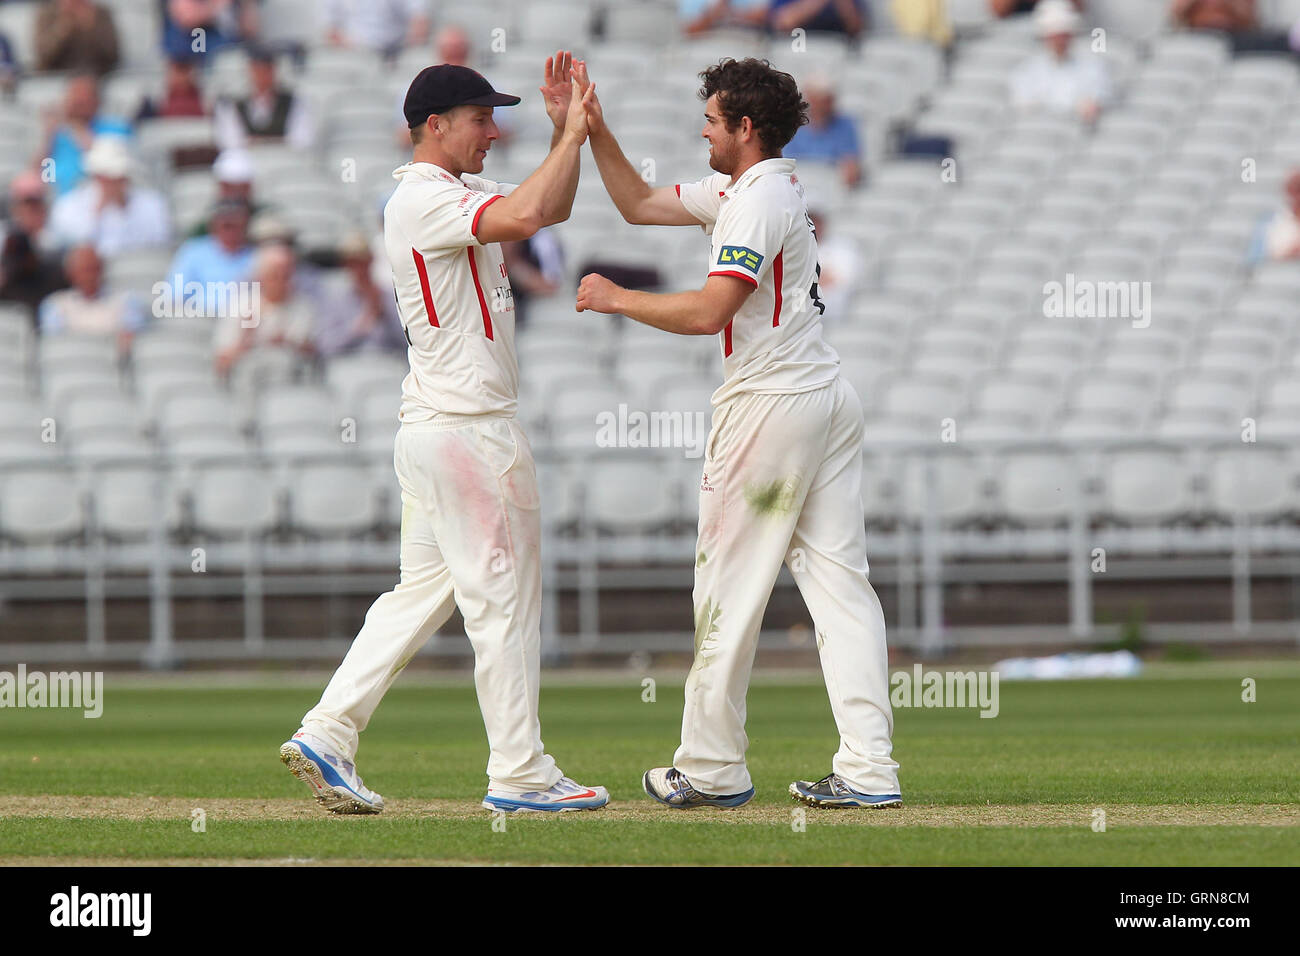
{"type": "Point", "coordinates": [1235, 519]}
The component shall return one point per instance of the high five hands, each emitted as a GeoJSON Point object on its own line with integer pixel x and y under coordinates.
{"type": "Point", "coordinates": [595, 292]}
{"type": "Point", "coordinates": [595, 115]}
{"type": "Point", "coordinates": [567, 112]}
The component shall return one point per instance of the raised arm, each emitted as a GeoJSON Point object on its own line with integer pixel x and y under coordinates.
{"type": "Point", "coordinates": [637, 201]}
{"type": "Point", "coordinates": [545, 197]}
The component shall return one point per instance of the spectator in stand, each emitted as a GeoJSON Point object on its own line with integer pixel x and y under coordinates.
{"type": "Point", "coordinates": [450, 45]}
{"type": "Point", "coordinates": [214, 260]}
{"type": "Point", "coordinates": [88, 307]}
{"type": "Point", "coordinates": [829, 137]}
{"type": "Point", "coordinates": [926, 20]}
{"type": "Point", "coordinates": [106, 211]}
{"type": "Point", "coordinates": [827, 16]}
{"type": "Point", "coordinates": [364, 317]}
{"type": "Point", "coordinates": [200, 27]}
{"type": "Point", "coordinates": [76, 35]}
{"type": "Point", "coordinates": [1278, 237]}
{"type": "Point", "coordinates": [1010, 8]}
{"type": "Point", "coordinates": [73, 129]}
{"type": "Point", "coordinates": [1228, 16]}
{"type": "Point", "coordinates": [29, 267]}
{"type": "Point", "coordinates": [536, 267]}
{"type": "Point", "coordinates": [182, 95]}
{"type": "Point", "coordinates": [1237, 18]}
{"type": "Point", "coordinates": [1055, 78]}
{"type": "Point", "coordinates": [701, 16]}
{"type": "Point", "coordinates": [182, 98]}
{"type": "Point", "coordinates": [233, 171]}
{"type": "Point", "coordinates": [269, 114]}
{"type": "Point", "coordinates": [282, 316]}
{"type": "Point", "coordinates": [9, 69]}
{"type": "Point", "coordinates": [268, 229]}
{"type": "Point", "coordinates": [384, 26]}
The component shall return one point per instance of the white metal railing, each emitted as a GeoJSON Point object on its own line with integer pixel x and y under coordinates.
{"type": "Point", "coordinates": [916, 555]}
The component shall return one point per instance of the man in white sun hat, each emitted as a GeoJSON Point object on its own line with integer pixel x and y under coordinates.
{"type": "Point", "coordinates": [106, 211]}
{"type": "Point", "coordinates": [1059, 79]}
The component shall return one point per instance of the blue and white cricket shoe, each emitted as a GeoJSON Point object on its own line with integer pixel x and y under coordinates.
{"type": "Point", "coordinates": [831, 791]}
{"type": "Point", "coordinates": [565, 795]}
{"type": "Point", "coordinates": [334, 781]}
{"type": "Point", "coordinates": [670, 787]}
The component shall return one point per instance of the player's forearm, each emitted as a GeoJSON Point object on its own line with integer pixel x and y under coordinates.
{"type": "Point", "coordinates": [559, 201]}
{"type": "Point", "coordinates": [684, 313]}
{"type": "Point", "coordinates": [623, 183]}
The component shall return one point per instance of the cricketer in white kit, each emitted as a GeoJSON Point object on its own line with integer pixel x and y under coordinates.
{"type": "Point", "coordinates": [470, 519]}
{"type": "Point", "coordinates": [783, 468]}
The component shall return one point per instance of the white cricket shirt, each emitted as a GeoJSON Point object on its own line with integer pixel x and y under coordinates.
{"type": "Point", "coordinates": [453, 295]}
{"type": "Point", "coordinates": [761, 233]}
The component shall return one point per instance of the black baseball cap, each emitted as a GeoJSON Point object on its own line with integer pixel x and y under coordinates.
{"type": "Point", "coordinates": [437, 89]}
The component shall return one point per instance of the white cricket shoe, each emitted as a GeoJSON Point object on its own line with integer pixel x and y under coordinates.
{"type": "Point", "coordinates": [333, 781]}
{"type": "Point", "coordinates": [565, 795]}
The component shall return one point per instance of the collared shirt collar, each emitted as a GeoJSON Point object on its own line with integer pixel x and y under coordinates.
{"type": "Point", "coordinates": [777, 165]}
{"type": "Point", "coordinates": [426, 171]}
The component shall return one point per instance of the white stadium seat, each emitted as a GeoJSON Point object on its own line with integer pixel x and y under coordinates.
{"type": "Point", "coordinates": [230, 501]}
{"type": "Point", "coordinates": [331, 499]}
{"type": "Point", "coordinates": [629, 495]}
{"type": "Point", "coordinates": [1147, 486]}
{"type": "Point", "coordinates": [40, 506]}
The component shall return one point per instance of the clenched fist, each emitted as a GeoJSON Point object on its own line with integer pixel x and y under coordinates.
{"type": "Point", "coordinates": [597, 293]}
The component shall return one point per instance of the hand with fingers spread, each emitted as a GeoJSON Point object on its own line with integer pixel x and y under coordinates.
{"type": "Point", "coordinates": [586, 88]}
{"type": "Point", "coordinates": [557, 86]}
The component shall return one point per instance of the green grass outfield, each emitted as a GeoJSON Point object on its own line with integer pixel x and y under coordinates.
{"type": "Point", "coordinates": [1186, 772]}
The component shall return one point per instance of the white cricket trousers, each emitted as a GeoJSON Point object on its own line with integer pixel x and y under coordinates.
{"type": "Point", "coordinates": [471, 538]}
{"type": "Point", "coordinates": [782, 483]}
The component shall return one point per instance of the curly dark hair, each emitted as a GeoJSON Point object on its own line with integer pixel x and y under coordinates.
{"type": "Point", "coordinates": [756, 89]}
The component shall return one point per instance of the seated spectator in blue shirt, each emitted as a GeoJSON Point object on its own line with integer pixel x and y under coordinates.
{"type": "Point", "coordinates": [204, 269]}
{"type": "Point", "coordinates": [829, 137]}
{"type": "Point", "coordinates": [222, 22]}
{"type": "Point", "coordinates": [72, 132]}
{"type": "Point", "coordinates": [701, 16]}
{"type": "Point", "coordinates": [830, 16]}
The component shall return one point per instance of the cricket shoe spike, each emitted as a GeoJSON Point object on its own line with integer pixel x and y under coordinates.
{"type": "Point", "coordinates": [670, 787]}
{"type": "Point", "coordinates": [565, 795]}
{"type": "Point", "coordinates": [334, 781]}
{"type": "Point", "coordinates": [831, 791]}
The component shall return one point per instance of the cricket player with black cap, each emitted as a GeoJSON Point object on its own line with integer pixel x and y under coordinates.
{"type": "Point", "coordinates": [470, 523]}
